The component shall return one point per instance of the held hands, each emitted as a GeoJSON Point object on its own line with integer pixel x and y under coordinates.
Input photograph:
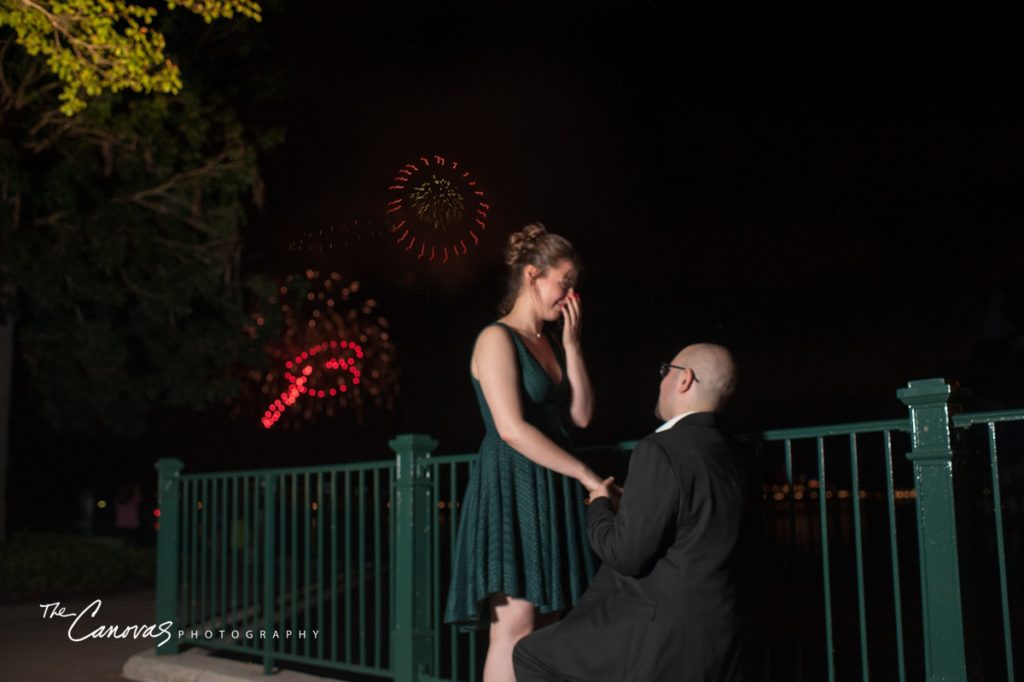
{"type": "Point", "coordinates": [607, 488]}
{"type": "Point", "coordinates": [571, 312]}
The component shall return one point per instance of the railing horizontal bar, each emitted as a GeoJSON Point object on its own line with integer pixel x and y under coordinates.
{"type": "Point", "coordinates": [837, 429]}
{"type": "Point", "coordinates": [625, 445]}
{"type": "Point", "coordinates": [322, 468]}
{"type": "Point", "coordinates": [333, 665]}
{"type": "Point", "coordinates": [453, 459]}
{"type": "Point", "coordinates": [464, 458]}
{"type": "Point", "coordinates": [962, 421]}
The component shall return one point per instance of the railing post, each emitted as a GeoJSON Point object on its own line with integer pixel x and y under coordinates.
{"type": "Point", "coordinates": [168, 537]}
{"type": "Point", "coordinates": [269, 491]}
{"type": "Point", "coordinates": [932, 457]}
{"type": "Point", "coordinates": [411, 632]}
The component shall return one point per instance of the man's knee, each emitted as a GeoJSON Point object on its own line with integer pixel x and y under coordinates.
{"type": "Point", "coordinates": [529, 661]}
{"type": "Point", "coordinates": [521, 652]}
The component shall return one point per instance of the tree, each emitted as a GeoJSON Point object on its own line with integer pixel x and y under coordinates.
{"type": "Point", "coordinates": [96, 46]}
{"type": "Point", "coordinates": [120, 224]}
{"type": "Point", "coordinates": [127, 270]}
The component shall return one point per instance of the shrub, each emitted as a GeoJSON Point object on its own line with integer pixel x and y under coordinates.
{"type": "Point", "coordinates": [52, 565]}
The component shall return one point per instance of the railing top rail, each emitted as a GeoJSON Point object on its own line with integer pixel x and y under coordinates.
{"type": "Point", "coordinates": [625, 445]}
{"type": "Point", "coordinates": [453, 459]}
{"type": "Point", "coordinates": [463, 458]}
{"type": "Point", "coordinates": [962, 421]}
{"type": "Point", "coordinates": [321, 468]}
{"type": "Point", "coordinates": [837, 429]}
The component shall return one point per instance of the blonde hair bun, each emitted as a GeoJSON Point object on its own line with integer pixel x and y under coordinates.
{"type": "Point", "coordinates": [522, 244]}
{"type": "Point", "coordinates": [532, 245]}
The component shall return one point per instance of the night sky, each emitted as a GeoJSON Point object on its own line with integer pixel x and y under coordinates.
{"type": "Point", "coordinates": [839, 203]}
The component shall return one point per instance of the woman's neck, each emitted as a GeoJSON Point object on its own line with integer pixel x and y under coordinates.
{"type": "Point", "coordinates": [524, 320]}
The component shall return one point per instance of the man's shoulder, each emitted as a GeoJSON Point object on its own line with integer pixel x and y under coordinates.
{"type": "Point", "coordinates": [694, 426]}
{"type": "Point", "coordinates": [692, 441]}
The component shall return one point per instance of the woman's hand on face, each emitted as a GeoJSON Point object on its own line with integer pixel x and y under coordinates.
{"type": "Point", "coordinates": [571, 314]}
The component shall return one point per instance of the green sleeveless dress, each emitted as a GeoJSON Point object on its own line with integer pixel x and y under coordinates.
{"type": "Point", "coordinates": [522, 528]}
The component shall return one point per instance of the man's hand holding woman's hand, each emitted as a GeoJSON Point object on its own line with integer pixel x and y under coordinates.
{"type": "Point", "coordinates": [607, 488]}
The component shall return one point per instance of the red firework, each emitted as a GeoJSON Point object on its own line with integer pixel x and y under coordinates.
{"type": "Point", "coordinates": [334, 352]}
{"type": "Point", "coordinates": [436, 209]}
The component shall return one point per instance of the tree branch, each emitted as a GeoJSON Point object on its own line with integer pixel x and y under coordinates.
{"type": "Point", "coordinates": [164, 198]}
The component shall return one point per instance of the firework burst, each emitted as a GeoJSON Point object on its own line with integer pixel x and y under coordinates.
{"type": "Point", "coordinates": [326, 241]}
{"type": "Point", "coordinates": [334, 353]}
{"type": "Point", "coordinates": [436, 209]}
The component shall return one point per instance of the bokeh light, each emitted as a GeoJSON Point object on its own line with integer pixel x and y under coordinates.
{"type": "Point", "coordinates": [334, 353]}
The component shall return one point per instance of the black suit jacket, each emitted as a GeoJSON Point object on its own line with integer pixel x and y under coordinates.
{"type": "Point", "coordinates": [664, 604]}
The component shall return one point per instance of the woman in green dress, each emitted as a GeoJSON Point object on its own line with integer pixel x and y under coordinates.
{"type": "Point", "coordinates": [522, 545]}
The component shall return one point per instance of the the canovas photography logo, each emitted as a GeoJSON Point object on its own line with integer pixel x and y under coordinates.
{"type": "Point", "coordinates": [79, 628]}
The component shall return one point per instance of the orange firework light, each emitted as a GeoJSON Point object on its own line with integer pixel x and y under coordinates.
{"type": "Point", "coordinates": [334, 351]}
{"type": "Point", "coordinates": [436, 210]}
{"type": "Point", "coordinates": [322, 242]}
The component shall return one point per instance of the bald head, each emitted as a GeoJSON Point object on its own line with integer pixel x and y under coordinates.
{"type": "Point", "coordinates": [704, 385]}
{"type": "Point", "coordinates": [715, 371]}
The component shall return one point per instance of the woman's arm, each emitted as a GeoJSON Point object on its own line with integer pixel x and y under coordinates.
{"type": "Point", "coordinates": [495, 364]}
{"type": "Point", "coordinates": [582, 406]}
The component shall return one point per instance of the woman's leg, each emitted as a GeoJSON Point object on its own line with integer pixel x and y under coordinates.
{"type": "Point", "coordinates": [511, 620]}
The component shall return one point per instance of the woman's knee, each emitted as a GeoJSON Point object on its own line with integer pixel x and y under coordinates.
{"type": "Point", "coordinates": [511, 619]}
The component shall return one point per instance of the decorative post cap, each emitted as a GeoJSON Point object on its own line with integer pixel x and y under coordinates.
{"type": "Point", "coordinates": [415, 442]}
{"type": "Point", "coordinates": [170, 465]}
{"type": "Point", "coordinates": [928, 401]}
{"type": "Point", "coordinates": [411, 452]}
{"type": "Point", "coordinates": [924, 392]}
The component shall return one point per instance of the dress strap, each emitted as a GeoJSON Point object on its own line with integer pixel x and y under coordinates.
{"type": "Point", "coordinates": [511, 332]}
{"type": "Point", "coordinates": [516, 341]}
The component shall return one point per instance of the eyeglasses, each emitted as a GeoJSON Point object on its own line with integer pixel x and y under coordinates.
{"type": "Point", "coordinates": [664, 368]}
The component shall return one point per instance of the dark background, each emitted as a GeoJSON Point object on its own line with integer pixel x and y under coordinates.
{"type": "Point", "coordinates": [839, 203]}
{"type": "Point", "coordinates": [838, 200]}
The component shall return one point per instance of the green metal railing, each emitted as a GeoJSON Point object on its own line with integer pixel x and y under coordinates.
{"type": "Point", "coordinates": [829, 444]}
{"type": "Point", "coordinates": [454, 650]}
{"type": "Point", "coordinates": [361, 554]}
{"type": "Point", "coordinates": [287, 565]}
{"type": "Point", "coordinates": [454, 654]}
{"type": "Point", "coordinates": [993, 423]}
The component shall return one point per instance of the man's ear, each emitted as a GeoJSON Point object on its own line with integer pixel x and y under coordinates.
{"type": "Point", "coordinates": [685, 382]}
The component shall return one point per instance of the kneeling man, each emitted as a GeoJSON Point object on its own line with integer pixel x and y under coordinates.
{"type": "Point", "coordinates": [663, 606]}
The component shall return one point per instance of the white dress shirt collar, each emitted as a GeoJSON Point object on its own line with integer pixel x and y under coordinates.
{"type": "Point", "coordinates": [672, 422]}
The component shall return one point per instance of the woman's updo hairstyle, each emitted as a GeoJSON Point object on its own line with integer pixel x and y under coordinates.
{"type": "Point", "coordinates": [532, 245]}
